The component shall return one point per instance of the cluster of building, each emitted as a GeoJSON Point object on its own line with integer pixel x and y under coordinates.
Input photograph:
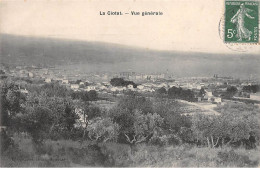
{"type": "Point", "coordinates": [214, 86]}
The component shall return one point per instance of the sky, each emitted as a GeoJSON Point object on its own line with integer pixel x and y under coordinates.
{"type": "Point", "coordinates": [186, 25]}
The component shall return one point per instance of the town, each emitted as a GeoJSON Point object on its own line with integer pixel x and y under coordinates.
{"type": "Point", "coordinates": [214, 87]}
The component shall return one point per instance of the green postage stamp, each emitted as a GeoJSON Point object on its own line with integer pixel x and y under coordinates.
{"type": "Point", "coordinates": [241, 21]}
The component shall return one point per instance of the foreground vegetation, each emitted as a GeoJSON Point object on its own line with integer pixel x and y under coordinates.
{"type": "Point", "coordinates": [52, 126]}
{"type": "Point", "coordinates": [68, 153]}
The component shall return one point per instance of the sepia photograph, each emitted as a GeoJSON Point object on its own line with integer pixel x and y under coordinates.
{"type": "Point", "coordinates": [129, 84]}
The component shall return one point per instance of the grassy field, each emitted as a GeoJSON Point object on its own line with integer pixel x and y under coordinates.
{"type": "Point", "coordinates": [68, 153]}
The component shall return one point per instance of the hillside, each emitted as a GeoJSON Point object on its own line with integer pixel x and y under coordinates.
{"type": "Point", "coordinates": [96, 56]}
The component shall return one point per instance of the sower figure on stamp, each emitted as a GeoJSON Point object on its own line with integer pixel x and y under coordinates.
{"type": "Point", "coordinates": [239, 19]}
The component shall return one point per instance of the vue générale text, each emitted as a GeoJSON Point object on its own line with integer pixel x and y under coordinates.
{"type": "Point", "coordinates": [132, 13]}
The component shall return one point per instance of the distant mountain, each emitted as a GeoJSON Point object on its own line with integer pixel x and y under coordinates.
{"type": "Point", "coordinates": [97, 56]}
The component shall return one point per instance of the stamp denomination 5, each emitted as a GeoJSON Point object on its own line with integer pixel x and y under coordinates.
{"type": "Point", "coordinates": [241, 21]}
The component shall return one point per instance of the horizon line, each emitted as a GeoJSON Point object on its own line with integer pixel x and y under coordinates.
{"type": "Point", "coordinates": [124, 45]}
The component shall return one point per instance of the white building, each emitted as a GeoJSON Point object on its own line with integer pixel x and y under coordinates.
{"type": "Point", "coordinates": [24, 91]}
{"type": "Point", "coordinates": [102, 87]}
{"type": "Point", "coordinates": [121, 88]}
{"type": "Point", "coordinates": [140, 87]}
{"type": "Point", "coordinates": [198, 87]}
{"type": "Point", "coordinates": [48, 80]}
{"type": "Point", "coordinates": [89, 88]}
{"type": "Point", "coordinates": [217, 100]}
{"type": "Point", "coordinates": [65, 81]}
{"type": "Point", "coordinates": [208, 95]}
{"type": "Point", "coordinates": [30, 74]}
{"type": "Point", "coordinates": [255, 96]}
{"type": "Point", "coordinates": [114, 89]}
{"type": "Point", "coordinates": [162, 85]}
{"type": "Point", "coordinates": [74, 86]}
{"type": "Point", "coordinates": [130, 86]}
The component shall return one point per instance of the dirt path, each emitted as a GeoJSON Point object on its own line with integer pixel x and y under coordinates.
{"type": "Point", "coordinates": [204, 107]}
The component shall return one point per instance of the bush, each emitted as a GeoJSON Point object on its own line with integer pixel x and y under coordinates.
{"type": "Point", "coordinates": [165, 140]}
{"type": "Point", "coordinates": [6, 141]}
{"type": "Point", "coordinates": [230, 156]}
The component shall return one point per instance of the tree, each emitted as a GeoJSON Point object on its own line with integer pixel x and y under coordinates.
{"type": "Point", "coordinates": [85, 95]}
{"type": "Point", "coordinates": [243, 121]}
{"type": "Point", "coordinates": [202, 92]}
{"type": "Point", "coordinates": [69, 117]}
{"type": "Point", "coordinates": [92, 111]}
{"type": "Point", "coordinates": [143, 127]}
{"type": "Point", "coordinates": [124, 119]}
{"type": "Point", "coordinates": [11, 100]}
{"type": "Point", "coordinates": [37, 122]}
{"type": "Point", "coordinates": [251, 88]}
{"type": "Point", "coordinates": [206, 128]}
{"type": "Point", "coordinates": [92, 94]}
{"type": "Point", "coordinates": [236, 124]}
{"type": "Point", "coordinates": [231, 91]}
{"type": "Point", "coordinates": [78, 81]}
{"type": "Point", "coordinates": [10, 106]}
{"type": "Point", "coordinates": [133, 102]}
{"type": "Point", "coordinates": [175, 121]}
{"type": "Point", "coordinates": [171, 112]}
{"type": "Point", "coordinates": [179, 93]}
{"type": "Point", "coordinates": [121, 82]}
{"type": "Point", "coordinates": [2, 72]}
{"type": "Point", "coordinates": [86, 112]}
{"type": "Point", "coordinates": [161, 91]}
{"type": "Point", "coordinates": [54, 90]}
{"type": "Point", "coordinates": [63, 114]}
{"type": "Point", "coordinates": [102, 130]}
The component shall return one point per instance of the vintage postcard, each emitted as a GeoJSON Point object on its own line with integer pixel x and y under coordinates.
{"type": "Point", "coordinates": [129, 83]}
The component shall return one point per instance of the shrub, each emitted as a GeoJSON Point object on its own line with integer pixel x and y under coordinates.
{"type": "Point", "coordinates": [6, 141]}
{"type": "Point", "coordinates": [230, 156]}
{"type": "Point", "coordinates": [165, 140]}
